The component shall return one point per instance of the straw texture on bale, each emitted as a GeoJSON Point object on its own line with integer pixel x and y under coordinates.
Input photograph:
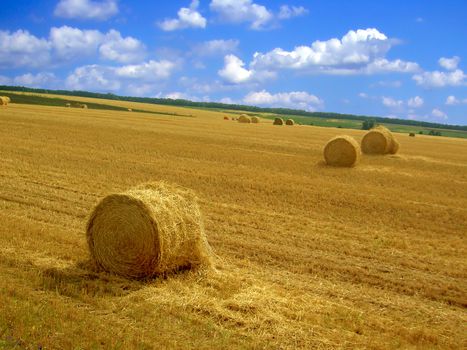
{"type": "Point", "coordinates": [278, 121]}
{"type": "Point", "coordinates": [244, 119]}
{"type": "Point", "coordinates": [289, 122]}
{"type": "Point", "coordinates": [394, 146]}
{"type": "Point", "coordinates": [255, 120]}
{"type": "Point", "coordinates": [150, 230]}
{"type": "Point", "coordinates": [377, 141]}
{"type": "Point", "coordinates": [342, 151]}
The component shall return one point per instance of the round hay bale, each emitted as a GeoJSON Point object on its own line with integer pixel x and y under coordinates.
{"type": "Point", "coordinates": [255, 120]}
{"type": "Point", "coordinates": [150, 230]}
{"type": "Point", "coordinates": [289, 122]}
{"type": "Point", "coordinates": [7, 99]}
{"type": "Point", "coordinates": [68, 105]}
{"type": "Point", "coordinates": [377, 141]}
{"type": "Point", "coordinates": [226, 118]}
{"type": "Point", "coordinates": [278, 121]}
{"type": "Point", "coordinates": [412, 134]}
{"type": "Point", "coordinates": [130, 110]}
{"type": "Point", "coordinates": [394, 146]}
{"type": "Point", "coordinates": [244, 119]}
{"type": "Point", "coordinates": [3, 101]}
{"type": "Point", "coordinates": [85, 106]}
{"type": "Point", "coordinates": [342, 151]}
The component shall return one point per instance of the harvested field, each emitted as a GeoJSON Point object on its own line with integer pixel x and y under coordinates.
{"type": "Point", "coordinates": [306, 256]}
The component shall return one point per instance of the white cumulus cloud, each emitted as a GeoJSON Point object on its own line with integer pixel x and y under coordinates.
{"type": "Point", "coordinates": [452, 101]}
{"type": "Point", "coordinates": [69, 43]}
{"type": "Point", "coordinates": [93, 77]}
{"type": "Point", "coordinates": [86, 9]}
{"type": "Point", "coordinates": [287, 12]}
{"type": "Point", "coordinates": [449, 63]}
{"type": "Point", "coordinates": [42, 79]}
{"type": "Point", "coordinates": [294, 99]}
{"type": "Point", "coordinates": [391, 102]}
{"type": "Point", "coordinates": [187, 18]}
{"type": "Point", "coordinates": [151, 70]}
{"type": "Point", "coordinates": [441, 79]}
{"type": "Point", "coordinates": [234, 71]}
{"type": "Point", "coordinates": [382, 65]}
{"type": "Point", "coordinates": [415, 102]}
{"type": "Point", "coordinates": [66, 44]}
{"type": "Point", "coordinates": [105, 78]}
{"type": "Point", "coordinates": [361, 51]}
{"type": "Point", "coordinates": [241, 11]}
{"type": "Point", "coordinates": [20, 48]}
{"type": "Point", "coordinates": [123, 50]}
{"type": "Point", "coordinates": [439, 114]}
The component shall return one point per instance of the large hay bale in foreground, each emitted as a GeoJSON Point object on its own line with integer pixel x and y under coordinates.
{"type": "Point", "coordinates": [342, 151]}
{"type": "Point", "coordinates": [377, 141]}
{"type": "Point", "coordinates": [255, 120]}
{"type": "Point", "coordinates": [147, 231]}
{"type": "Point", "coordinates": [278, 121]}
{"type": "Point", "coordinates": [244, 119]}
{"type": "Point", "coordinates": [289, 122]}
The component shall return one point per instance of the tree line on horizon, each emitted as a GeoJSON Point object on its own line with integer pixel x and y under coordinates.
{"type": "Point", "coordinates": [239, 107]}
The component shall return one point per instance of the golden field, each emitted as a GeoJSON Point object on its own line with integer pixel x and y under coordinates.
{"type": "Point", "coordinates": [307, 256]}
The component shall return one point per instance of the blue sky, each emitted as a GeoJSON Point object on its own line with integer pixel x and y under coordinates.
{"type": "Point", "coordinates": [404, 59]}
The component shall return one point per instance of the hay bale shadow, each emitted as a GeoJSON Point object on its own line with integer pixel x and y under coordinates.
{"type": "Point", "coordinates": [85, 279]}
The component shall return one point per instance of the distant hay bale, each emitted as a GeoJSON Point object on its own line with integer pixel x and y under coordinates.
{"type": "Point", "coordinates": [3, 101]}
{"type": "Point", "coordinates": [289, 122]}
{"type": "Point", "coordinates": [255, 120]}
{"type": "Point", "coordinates": [278, 121]}
{"type": "Point", "coordinates": [377, 141]}
{"type": "Point", "coordinates": [85, 106]}
{"type": "Point", "coordinates": [150, 230]}
{"type": "Point", "coordinates": [68, 105]}
{"type": "Point", "coordinates": [244, 119]}
{"type": "Point", "coordinates": [412, 134]}
{"type": "Point", "coordinates": [342, 151]}
{"type": "Point", "coordinates": [226, 118]}
{"type": "Point", "coordinates": [130, 110]}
